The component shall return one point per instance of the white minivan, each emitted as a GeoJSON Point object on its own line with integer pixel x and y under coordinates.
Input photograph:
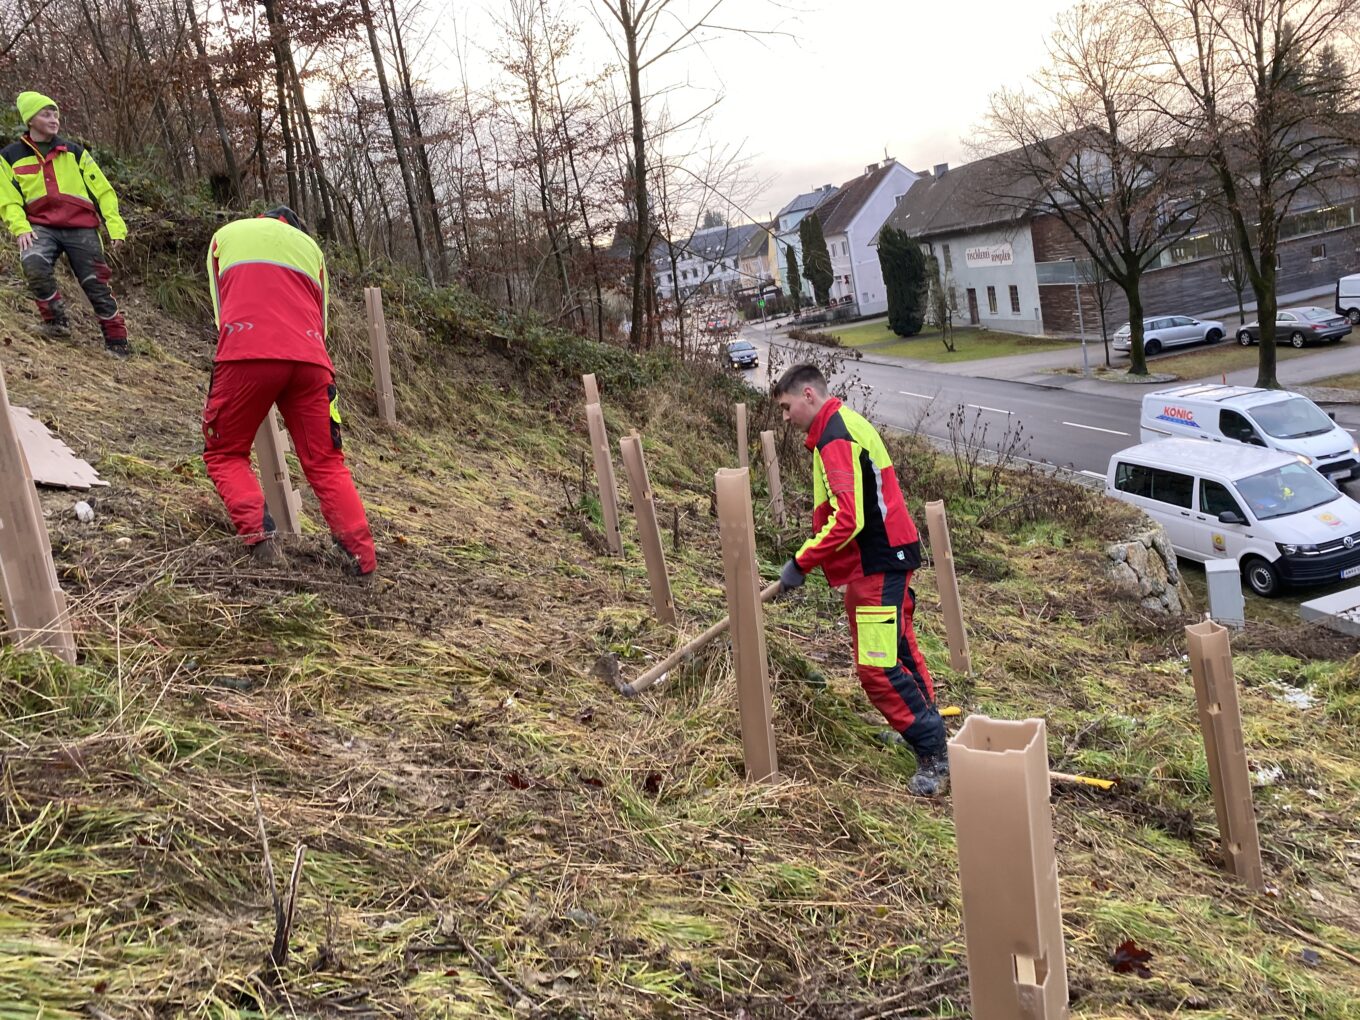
{"type": "Point", "coordinates": [1281, 521]}
{"type": "Point", "coordinates": [1348, 298]}
{"type": "Point", "coordinates": [1276, 419]}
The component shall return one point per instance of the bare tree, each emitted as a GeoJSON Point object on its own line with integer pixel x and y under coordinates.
{"type": "Point", "coordinates": [1087, 147]}
{"type": "Point", "coordinates": [1245, 94]}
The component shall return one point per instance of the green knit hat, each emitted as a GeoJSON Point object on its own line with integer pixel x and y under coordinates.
{"type": "Point", "coordinates": [31, 104]}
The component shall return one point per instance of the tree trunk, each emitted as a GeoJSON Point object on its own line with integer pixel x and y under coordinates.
{"type": "Point", "coordinates": [425, 179]}
{"type": "Point", "coordinates": [173, 150]}
{"type": "Point", "coordinates": [215, 103]}
{"type": "Point", "coordinates": [412, 205]}
{"type": "Point", "coordinates": [1137, 356]}
{"type": "Point", "coordinates": [642, 233]}
{"type": "Point", "coordinates": [296, 199]}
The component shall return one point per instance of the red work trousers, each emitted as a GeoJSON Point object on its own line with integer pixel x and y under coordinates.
{"type": "Point", "coordinates": [891, 667]}
{"type": "Point", "coordinates": [239, 398]}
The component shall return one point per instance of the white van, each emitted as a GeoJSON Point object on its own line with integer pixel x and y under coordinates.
{"type": "Point", "coordinates": [1348, 298]}
{"type": "Point", "coordinates": [1281, 521]}
{"type": "Point", "coordinates": [1276, 419]}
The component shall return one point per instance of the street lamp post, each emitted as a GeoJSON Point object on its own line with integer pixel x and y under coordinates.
{"type": "Point", "coordinates": [1081, 320]}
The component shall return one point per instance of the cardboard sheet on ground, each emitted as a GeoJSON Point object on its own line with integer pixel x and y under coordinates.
{"type": "Point", "coordinates": [51, 461]}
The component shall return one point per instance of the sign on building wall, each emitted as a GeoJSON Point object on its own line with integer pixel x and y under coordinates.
{"type": "Point", "coordinates": [990, 255]}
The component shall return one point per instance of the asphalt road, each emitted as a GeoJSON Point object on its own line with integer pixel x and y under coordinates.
{"type": "Point", "coordinates": [1069, 429]}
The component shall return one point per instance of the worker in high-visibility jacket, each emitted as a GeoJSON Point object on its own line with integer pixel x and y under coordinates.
{"type": "Point", "coordinates": [269, 293]}
{"type": "Point", "coordinates": [866, 542]}
{"type": "Point", "coordinates": [52, 198]}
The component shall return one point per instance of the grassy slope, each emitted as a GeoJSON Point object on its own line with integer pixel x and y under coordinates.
{"type": "Point", "coordinates": [465, 785]}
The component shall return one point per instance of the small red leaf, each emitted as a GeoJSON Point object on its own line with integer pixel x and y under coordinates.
{"type": "Point", "coordinates": [518, 781]}
{"type": "Point", "coordinates": [1128, 958]}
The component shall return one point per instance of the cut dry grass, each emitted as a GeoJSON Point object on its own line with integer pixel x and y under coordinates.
{"type": "Point", "coordinates": [487, 821]}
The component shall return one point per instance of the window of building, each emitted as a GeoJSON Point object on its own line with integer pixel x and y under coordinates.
{"type": "Point", "coordinates": [1318, 252]}
{"type": "Point", "coordinates": [1279, 263]}
{"type": "Point", "coordinates": [1015, 300]}
{"type": "Point", "coordinates": [948, 262]}
{"type": "Point", "coordinates": [991, 300]}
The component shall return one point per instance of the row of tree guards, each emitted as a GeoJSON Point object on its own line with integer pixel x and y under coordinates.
{"type": "Point", "coordinates": [999, 768]}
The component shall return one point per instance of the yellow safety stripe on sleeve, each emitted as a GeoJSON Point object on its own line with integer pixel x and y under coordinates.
{"type": "Point", "coordinates": [335, 409]}
{"type": "Point", "coordinates": [212, 283]}
{"type": "Point", "coordinates": [821, 488]}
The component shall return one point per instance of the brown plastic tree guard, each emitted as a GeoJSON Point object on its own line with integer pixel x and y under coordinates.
{"type": "Point", "coordinates": [35, 606]}
{"type": "Point", "coordinates": [382, 366]}
{"type": "Point", "coordinates": [649, 532]}
{"type": "Point", "coordinates": [743, 446]}
{"type": "Point", "coordinates": [604, 475]}
{"type": "Point", "coordinates": [772, 472]}
{"type": "Point", "coordinates": [284, 501]}
{"type": "Point", "coordinates": [592, 388]}
{"type": "Point", "coordinates": [1017, 967]}
{"type": "Point", "coordinates": [737, 532]}
{"type": "Point", "coordinates": [942, 552]}
{"type": "Point", "coordinates": [1220, 722]}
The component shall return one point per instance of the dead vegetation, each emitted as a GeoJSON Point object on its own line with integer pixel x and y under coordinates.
{"type": "Point", "coordinates": [492, 831]}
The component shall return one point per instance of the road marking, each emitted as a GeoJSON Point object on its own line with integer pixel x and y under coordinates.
{"type": "Point", "coordinates": [1093, 474]}
{"type": "Point", "coordinates": [1094, 428]}
{"type": "Point", "coordinates": [995, 410]}
{"type": "Point", "coordinates": [923, 396]}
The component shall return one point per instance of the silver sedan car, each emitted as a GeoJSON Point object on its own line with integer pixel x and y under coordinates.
{"type": "Point", "coordinates": [1170, 331]}
{"type": "Point", "coordinates": [1299, 326]}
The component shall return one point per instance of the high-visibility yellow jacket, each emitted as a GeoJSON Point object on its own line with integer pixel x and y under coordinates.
{"type": "Point", "coordinates": [65, 188]}
{"type": "Point", "coordinates": [861, 522]}
{"type": "Point", "coordinates": [269, 293]}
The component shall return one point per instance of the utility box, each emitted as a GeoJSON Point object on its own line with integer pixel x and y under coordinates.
{"type": "Point", "coordinates": [1226, 604]}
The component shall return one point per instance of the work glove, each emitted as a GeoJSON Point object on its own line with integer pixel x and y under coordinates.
{"type": "Point", "coordinates": [791, 577]}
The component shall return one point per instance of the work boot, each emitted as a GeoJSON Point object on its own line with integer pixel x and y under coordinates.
{"type": "Point", "coordinates": [118, 348]}
{"type": "Point", "coordinates": [348, 563]}
{"type": "Point", "coordinates": [932, 776]}
{"type": "Point", "coordinates": [55, 329]}
{"type": "Point", "coordinates": [267, 553]}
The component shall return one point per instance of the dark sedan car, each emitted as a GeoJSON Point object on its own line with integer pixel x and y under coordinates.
{"type": "Point", "coordinates": [742, 354]}
{"type": "Point", "coordinates": [1298, 326]}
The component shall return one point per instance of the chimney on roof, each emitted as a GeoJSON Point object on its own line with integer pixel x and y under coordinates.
{"type": "Point", "coordinates": [870, 168]}
{"type": "Point", "coordinates": [940, 170]}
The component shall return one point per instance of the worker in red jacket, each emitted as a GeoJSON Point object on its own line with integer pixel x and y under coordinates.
{"type": "Point", "coordinates": [269, 292]}
{"type": "Point", "coordinates": [866, 541]}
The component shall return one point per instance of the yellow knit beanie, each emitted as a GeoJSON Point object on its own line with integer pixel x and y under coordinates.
{"type": "Point", "coordinates": [31, 104]}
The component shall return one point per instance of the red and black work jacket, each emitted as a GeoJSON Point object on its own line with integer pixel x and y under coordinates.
{"type": "Point", "coordinates": [860, 521]}
{"type": "Point", "coordinates": [65, 188]}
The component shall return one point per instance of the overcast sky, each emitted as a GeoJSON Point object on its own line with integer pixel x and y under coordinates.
{"type": "Point", "coordinates": [851, 79]}
{"type": "Point", "coordinates": [860, 76]}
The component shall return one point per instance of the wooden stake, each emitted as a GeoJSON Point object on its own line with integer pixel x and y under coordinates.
{"type": "Point", "coordinates": [657, 672]}
{"type": "Point", "coordinates": [649, 532]}
{"type": "Point", "coordinates": [604, 476]}
{"type": "Point", "coordinates": [592, 389]}
{"type": "Point", "coordinates": [1003, 825]}
{"type": "Point", "coordinates": [743, 445]}
{"type": "Point", "coordinates": [942, 552]}
{"type": "Point", "coordinates": [772, 472]}
{"type": "Point", "coordinates": [284, 501]}
{"type": "Point", "coordinates": [737, 532]}
{"type": "Point", "coordinates": [1220, 722]}
{"type": "Point", "coordinates": [382, 367]}
{"type": "Point", "coordinates": [35, 606]}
